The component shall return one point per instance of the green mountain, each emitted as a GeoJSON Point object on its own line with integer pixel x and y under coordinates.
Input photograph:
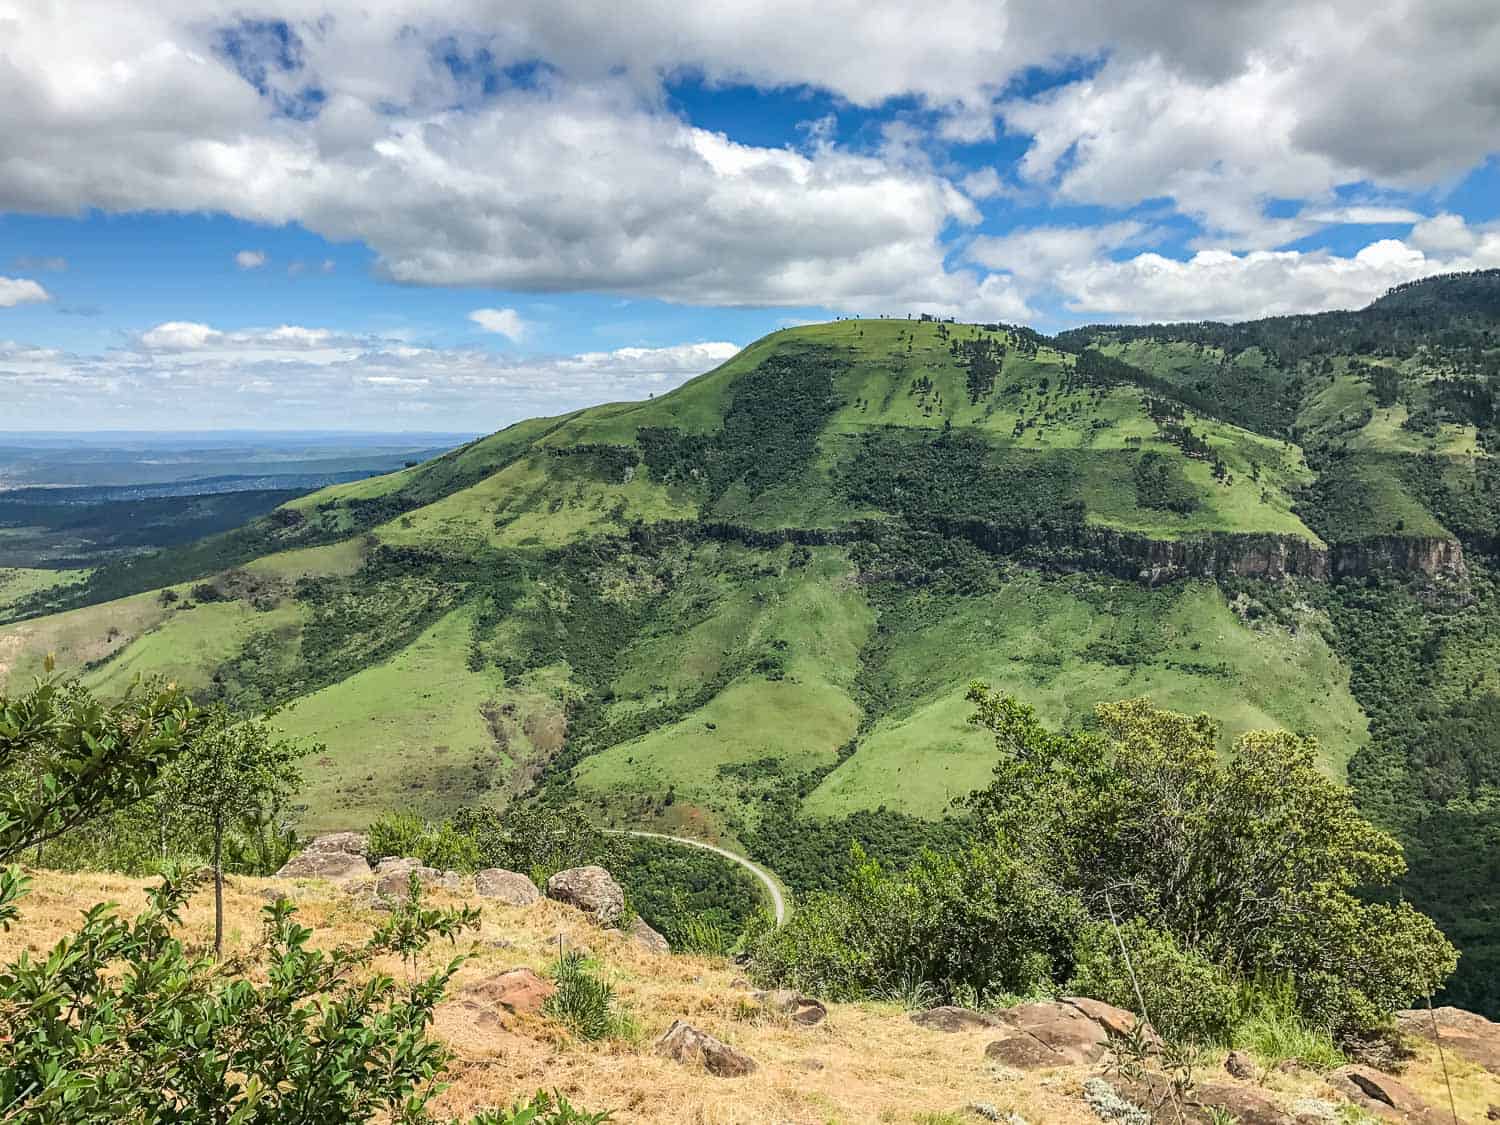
{"type": "Point", "coordinates": [752, 606]}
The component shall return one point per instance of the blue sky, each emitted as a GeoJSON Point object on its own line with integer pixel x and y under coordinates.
{"type": "Point", "coordinates": [451, 214]}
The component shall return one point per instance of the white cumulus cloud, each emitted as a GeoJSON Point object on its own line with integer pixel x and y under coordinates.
{"type": "Point", "coordinates": [502, 322]}
{"type": "Point", "coordinates": [250, 259]}
{"type": "Point", "coordinates": [20, 291]}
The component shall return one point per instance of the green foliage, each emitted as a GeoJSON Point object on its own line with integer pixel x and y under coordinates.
{"type": "Point", "coordinates": [527, 836]}
{"type": "Point", "coordinates": [961, 474]}
{"type": "Point", "coordinates": [698, 901]}
{"type": "Point", "coordinates": [1160, 483]}
{"type": "Point", "coordinates": [120, 1022]}
{"type": "Point", "coordinates": [536, 836]}
{"type": "Point", "coordinates": [436, 843]}
{"type": "Point", "coordinates": [975, 926]}
{"type": "Point", "coordinates": [769, 433]}
{"type": "Point", "coordinates": [1186, 996]}
{"type": "Point", "coordinates": [585, 1003]}
{"type": "Point", "coordinates": [232, 770]}
{"type": "Point", "coordinates": [543, 1109]}
{"type": "Point", "coordinates": [67, 757]}
{"type": "Point", "coordinates": [1256, 864]}
{"type": "Point", "coordinates": [1270, 1025]}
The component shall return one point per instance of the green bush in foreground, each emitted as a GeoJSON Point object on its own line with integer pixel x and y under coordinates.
{"type": "Point", "coordinates": [121, 1021]}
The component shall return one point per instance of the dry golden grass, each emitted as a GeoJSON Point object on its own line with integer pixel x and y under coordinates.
{"type": "Point", "coordinates": [865, 1063]}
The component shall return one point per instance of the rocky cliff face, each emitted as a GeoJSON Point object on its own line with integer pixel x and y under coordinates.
{"type": "Point", "coordinates": [1126, 555]}
{"type": "Point", "coordinates": [1436, 558]}
{"type": "Point", "coordinates": [1129, 555]}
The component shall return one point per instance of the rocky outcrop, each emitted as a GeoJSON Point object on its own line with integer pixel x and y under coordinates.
{"type": "Point", "coordinates": [647, 938]}
{"type": "Point", "coordinates": [393, 880]}
{"type": "Point", "coordinates": [1436, 558]}
{"type": "Point", "coordinates": [1154, 1096]}
{"type": "Point", "coordinates": [1471, 1036]}
{"type": "Point", "coordinates": [509, 887]}
{"type": "Point", "coordinates": [592, 889]}
{"type": "Point", "coordinates": [1064, 1032]}
{"type": "Point", "coordinates": [792, 1005]}
{"type": "Point", "coordinates": [1077, 546]}
{"type": "Point", "coordinates": [335, 866]}
{"type": "Point", "coordinates": [952, 1019]}
{"type": "Point", "coordinates": [1240, 1065]}
{"type": "Point", "coordinates": [1047, 1035]}
{"type": "Point", "coordinates": [686, 1044]}
{"type": "Point", "coordinates": [1376, 1092]}
{"type": "Point", "coordinates": [519, 990]}
{"type": "Point", "coordinates": [351, 843]}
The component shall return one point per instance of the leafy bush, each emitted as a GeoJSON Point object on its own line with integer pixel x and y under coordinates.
{"type": "Point", "coordinates": [436, 843]}
{"type": "Point", "coordinates": [975, 926]}
{"type": "Point", "coordinates": [585, 1003]}
{"type": "Point", "coordinates": [121, 1022]}
{"type": "Point", "coordinates": [1257, 865]}
{"type": "Point", "coordinates": [1185, 995]}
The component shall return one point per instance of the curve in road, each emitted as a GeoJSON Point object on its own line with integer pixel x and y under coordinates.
{"type": "Point", "coordinates": [778, 900]}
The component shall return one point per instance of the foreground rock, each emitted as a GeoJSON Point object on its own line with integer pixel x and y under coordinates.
{"type": "Point", "coordinates": [691, 1047]}
{"type": "Point", "coordinates": [1464, 1033]}
{"type": "Point", "coordinates": [519, 990]}
{"type": "Point", "coordinates": [1380, 1094]}
{"type": "Point", "coordinates": [647, 938]}
{"type": "Point", "coordinates": [338, 867]}
{"type": "Point", "coordinates": [1059, 1033]}
{"type": "Point", "coordinates": [953, 1019]}
{"type": "Point", "coordinates": [1154, 1094]}
{"type": "Point", "coordinates": [793, 1005]}
{"type": "Point", "coordinates": [510, 887]}
{"type": "Point", "coordinates": [592, 889]}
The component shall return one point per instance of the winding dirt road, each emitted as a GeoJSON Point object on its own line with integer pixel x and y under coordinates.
{"type": "Point", "coordinates": [778, 900]}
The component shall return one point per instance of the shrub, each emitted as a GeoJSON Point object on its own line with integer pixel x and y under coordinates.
{"type": "Point", "coordinates": [1186, 996]}
{"type": "Point", "coordinates": [1259, 865]}
{"type": "Point", "coordinates": [436, 843]}
{"type": "Point", "coordinates": [585, 1003]}
{"type": "Point", "coordinates": [974, 926]}
{"type": "Point", "coordinates": [1271, 1026]}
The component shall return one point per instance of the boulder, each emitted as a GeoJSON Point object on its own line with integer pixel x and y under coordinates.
{"type": "Point", "coordinates": [396, 863]}
{"type": "Point", "coordinates": [592, 889]}
{"type": "Point", "coordinates": [1464, 1033]}
{"type": "Point", "coordinates": [686, 1044]}
{"type": "Point", "coordinates": [518, 990]}
{"type": "Point", "coordinates": [351, 843]}
{"type": "Point", "coordinates": [1116, 1021]}
{"type": "Point", "coordinates": [796, 1007]}
{"type": "Point", "coordinates": [1047, 1035]}
{"type": "Point", "coordinates": [1244, 1104]}
{"type": "Point", "coordinates": [647, 938]}
{"type": "Point", "coordinates": [953, 1019]}
{"type": "Point", "coordinates": [1240, 1065]}
{"type": "Point", "coordinates": [337, 867]}
{"type": "Point", "coordinates": [1153, 1092]}
{"type": "Point", "coordinates": [394, 882]}
{"type": "Point", "coordinates": [510, 887]}
{"type": "Point", "coordinates": [1380, 1094]}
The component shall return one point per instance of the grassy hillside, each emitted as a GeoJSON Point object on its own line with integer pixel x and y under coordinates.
{"type": "Point", "coordinates": [758, 599]}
